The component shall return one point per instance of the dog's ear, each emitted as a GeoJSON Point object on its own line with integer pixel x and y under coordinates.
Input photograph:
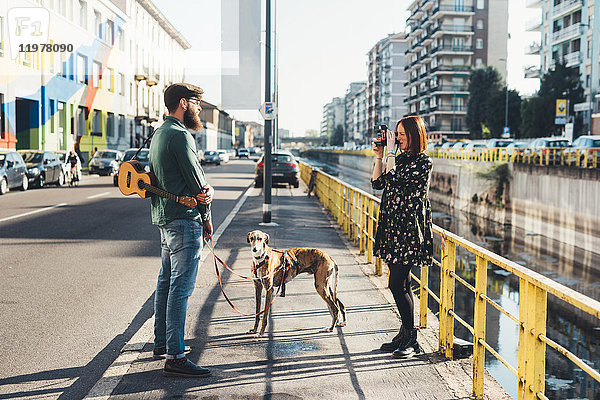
{"type": "Point", "coordinates": [267, 240]}
{"type": "Point", "coordinates": [248, 236]}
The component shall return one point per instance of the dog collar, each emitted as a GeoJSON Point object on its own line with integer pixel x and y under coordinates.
{"type": "Point", "coordinates": [265, 261]}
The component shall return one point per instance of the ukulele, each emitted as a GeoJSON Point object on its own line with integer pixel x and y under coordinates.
{"type": "Point", "coordinates": [134, 180]}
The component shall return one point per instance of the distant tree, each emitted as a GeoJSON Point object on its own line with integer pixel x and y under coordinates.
{"type": "Point", "coordinates": [538, 112]}
{"type": "Point", "coordinates": [311, 133]}
{"type": "Point", "coordinates": [496, 112]}
{"type": "Point", "coordinates": [337, 137]}
{"type": "Point", "coordinates": [484, 84]}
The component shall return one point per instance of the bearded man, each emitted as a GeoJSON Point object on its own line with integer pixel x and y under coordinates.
{"type": "Point", "coordinates": [174, 161]}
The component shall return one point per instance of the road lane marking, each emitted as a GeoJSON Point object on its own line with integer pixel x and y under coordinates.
{"type": "Point", "coordinates": [98, 195]}
{"type": "Point", "coordinates": [32, 212]}
{"type": "Point", "coordinates": [113, 375]}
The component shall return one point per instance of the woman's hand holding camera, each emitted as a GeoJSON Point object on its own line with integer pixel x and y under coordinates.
{"type": "Point", "coordinates": [378, 150]}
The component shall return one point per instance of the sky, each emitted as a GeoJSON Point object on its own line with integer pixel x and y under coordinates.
{"type": "Point", "coordinates": [322, 47]}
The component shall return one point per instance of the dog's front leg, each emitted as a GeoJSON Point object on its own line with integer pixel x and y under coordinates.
{"type": "Point", "coordinates": [265, 316]}
{"type": "Point", "coordinates": [257, 301]}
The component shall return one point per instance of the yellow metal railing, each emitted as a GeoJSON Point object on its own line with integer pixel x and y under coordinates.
{"type": "Point", "coordinates": [356, 212]}
{"type": "Point", "coordinates": [587, 158]}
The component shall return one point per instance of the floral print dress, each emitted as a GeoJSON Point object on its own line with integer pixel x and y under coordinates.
{"type": "Point", "coordinates": [404, 235]}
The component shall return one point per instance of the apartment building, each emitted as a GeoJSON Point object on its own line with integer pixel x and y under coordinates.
{"type": "Point", "coordinates": [387, 76]}
{"type": "Point", "coordinates": [105, 91]}
{"type": "Point", "coordinates": [447, 39]}
{"type": "Point", "coordinates": [333, 116]}
{"type": "Point", "coordinates": [352, 130]}
{"type": "Point", "coordinates": [569, 32]}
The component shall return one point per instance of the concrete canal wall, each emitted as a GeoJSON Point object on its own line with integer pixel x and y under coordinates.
{"type": "Point", "coordinates": [560, 203]}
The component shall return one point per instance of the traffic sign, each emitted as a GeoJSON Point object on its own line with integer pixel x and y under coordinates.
{"type": "Point", "coordinates": [268, 110]}
{"type": "Point", "coordinates": [560, 120]}
{"type": "Point", "coordinates": [561, 107]}
{"type": "Point", "coordinates": [506, 132]}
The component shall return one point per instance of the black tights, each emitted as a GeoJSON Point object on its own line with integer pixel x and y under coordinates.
{"type": "Point", "coordinates": [400, 287]}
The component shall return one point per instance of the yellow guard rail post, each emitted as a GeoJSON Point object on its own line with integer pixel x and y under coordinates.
{"type": "Point", "coordinates": [533, 290]}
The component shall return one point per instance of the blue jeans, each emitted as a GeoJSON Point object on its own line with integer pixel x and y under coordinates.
{"type": "Point", "coordinates": [181, 245]}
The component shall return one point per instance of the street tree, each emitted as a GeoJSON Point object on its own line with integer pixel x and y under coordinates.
{"type": "Point", "coordinates": [484, 83]}
{"type": "Point", "coordinates": [337, 136]}
{"type": "Point", "coordinates": [538, 112]}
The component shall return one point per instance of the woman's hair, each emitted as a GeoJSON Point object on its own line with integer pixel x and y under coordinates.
{"type": "Point", "coordinates": [415, 133]}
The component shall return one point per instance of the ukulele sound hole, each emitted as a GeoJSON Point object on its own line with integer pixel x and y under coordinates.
{"type": "Point", "coordinates": [141, 184]}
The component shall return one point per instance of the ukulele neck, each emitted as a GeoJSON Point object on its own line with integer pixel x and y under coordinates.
{"type": "Point", "coordinates": [157, 191]}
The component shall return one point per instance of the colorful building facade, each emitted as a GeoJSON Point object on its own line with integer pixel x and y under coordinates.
{"type": "Point", "coordinates": [103, 91]}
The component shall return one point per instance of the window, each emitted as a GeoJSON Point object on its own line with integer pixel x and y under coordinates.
{"type": "Point", "coordinates": [97, 24]}
{"type": "Point", "coordinates": [62, 7]}
{"type": "Point", "coordinates": [480, 4]}
{"type": "Point", "coordinates": [121, 125]}
{"type": "Point", "coordinates": [121, 39]}
{"type": "Point", "coordinates": [52, 118]}
{"type": "Point", "coordinates": [479, 44]}
{"type": "Point", "coordinates": [107, 78]}
{"type": "Point", "coordinates": [96, 72]}
{"type": "Point", "coordinates": [81, 121]}
{"type": "Point", "coordinates": [479, 24]}
{"type": "Point", "coordinates": [97, 123]}
{"type": "Point", "coordinates": [2, 121]}
{"type": "Point", "coordinates": [83, 14]}
{"type": "Point", "coordinates": [82, 69]}
{"type": "Point", "coordinates": [121, 84]}
{"type": "Point", "coordinates": [62, 118]}
{"type": "Point", "coordinates": [478, 63]}
{"type": "Point", "coordinates": [110, 124]}
{"type": "Point", "coordinates": [110, 32]}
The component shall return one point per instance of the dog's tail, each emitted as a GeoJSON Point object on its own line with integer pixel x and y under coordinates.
{"type": "Point", "coordinates": [334, 288]}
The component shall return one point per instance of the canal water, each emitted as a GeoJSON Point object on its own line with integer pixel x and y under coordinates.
{"type": "Point", "coordinates": [572, 329]}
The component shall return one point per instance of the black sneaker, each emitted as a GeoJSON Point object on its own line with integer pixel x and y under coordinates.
{"type": "Point", "coordinates": [160, 352]}
{"type": "Point", "coordinates": [184, 367]}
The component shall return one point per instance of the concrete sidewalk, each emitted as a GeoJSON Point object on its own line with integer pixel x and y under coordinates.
{"type": "Point", "coordinates": [295, 361]}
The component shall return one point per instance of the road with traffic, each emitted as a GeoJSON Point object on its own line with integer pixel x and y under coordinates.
{"type": "Point", "coordinates": [78, 270]}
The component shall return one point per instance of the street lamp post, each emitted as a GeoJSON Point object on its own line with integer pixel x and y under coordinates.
{"type": "Point", "coordinates": [506, 97]}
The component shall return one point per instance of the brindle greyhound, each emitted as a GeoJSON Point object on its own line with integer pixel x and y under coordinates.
{"type": "Point", "coordinates": [271, 266]}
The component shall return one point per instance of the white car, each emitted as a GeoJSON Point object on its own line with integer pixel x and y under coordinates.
{"type": "Point", "coordinates": [223, 155]}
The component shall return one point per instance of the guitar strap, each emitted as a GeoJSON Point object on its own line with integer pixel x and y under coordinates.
{"type": "Point", "coordinates": [143, 144]}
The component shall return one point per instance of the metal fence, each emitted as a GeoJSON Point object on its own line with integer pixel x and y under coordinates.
{"type": "Point", "coordinates": [356, 212]}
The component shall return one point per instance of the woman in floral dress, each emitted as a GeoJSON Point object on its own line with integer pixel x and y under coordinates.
{"type": "Point", "coordinates": [404, 236]}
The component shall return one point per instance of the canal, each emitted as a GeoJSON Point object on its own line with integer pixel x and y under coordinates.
{"type": "Point", "coordinates": [568, 265]}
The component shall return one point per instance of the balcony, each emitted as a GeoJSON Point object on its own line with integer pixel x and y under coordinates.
{"type": "Point", "coordinates": [450, 88]}
{"type": "Point", "coordinates": [534, 24]}
{"type": "Point", "coordinates": [532, 72]}
{"type": "Point", "coordinates": [452, 10]}
{"type": "Point", "coordinates": [533, 49]}
{"type": "Point", "coordinates": [571, 60]}
{"type": "Point", "coordinates": [451, 109]}
{"type": "Point", "coordinates": [452, 69]}
{"type": "Point", "coordinates": [567, 33]}
{"type": "Point", "coordinates": [453, 30]}
{"type": "Point", "coordinates": [566, 7]}
{"type": "Point", "coordinates": [454, 49]}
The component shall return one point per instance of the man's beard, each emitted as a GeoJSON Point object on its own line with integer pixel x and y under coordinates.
{"type": "Point", "coordinates": [191, 120]}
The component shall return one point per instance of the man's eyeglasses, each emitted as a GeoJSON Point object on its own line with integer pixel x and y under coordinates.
{"type": "Point", "coordinates": [195, 101]}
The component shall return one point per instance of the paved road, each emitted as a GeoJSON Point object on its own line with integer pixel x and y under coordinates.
{"type": "Point", "coordinates": [78, 269]}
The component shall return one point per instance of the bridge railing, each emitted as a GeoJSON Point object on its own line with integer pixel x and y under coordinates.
{"type": "Point", "coordinates": [357, 211]}
{"type": "Point", "coordinates": [585, 158]}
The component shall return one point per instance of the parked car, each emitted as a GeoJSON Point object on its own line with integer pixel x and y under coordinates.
{"type": "Point", "coordinates": [143, 157]}
{"type": "Point", "coordinates": [516, 148]}
{"type": "Point", "coordinates": [447, 145]}
{"type": "Point", "coordinates": [43, 167]}
{"type": "Point", "coordinates": [223, 155]}
{"type": "Point", "coordinates": [210, 157]}
{"type": "Point", "coordinates": [13, 172]}
{"type": "Point", "coordinates": [496, 143]}
{"type": "Point", "coordinates": [588, 146]}
{"type": "Point", "coordinates": [548, 147]}
{"type": "Point", "coordinates": [459, 145]}
{"type": "Point", "coordinates": [105, 162]}
{"type": "Point", "coordinates": [63, 156]}
{"type": "Point", "coordinates": [243, 153]}
{"type": "Point", "coordinates": [284, 169]}
{"type": "Point", "coordinates": [475, 148]}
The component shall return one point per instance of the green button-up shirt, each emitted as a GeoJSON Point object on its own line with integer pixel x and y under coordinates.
{"type": "Point", "coordinates": [174, 162]}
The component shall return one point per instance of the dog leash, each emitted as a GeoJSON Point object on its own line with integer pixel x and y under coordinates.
{"type": "Point", "coordinates": [215, 259]}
